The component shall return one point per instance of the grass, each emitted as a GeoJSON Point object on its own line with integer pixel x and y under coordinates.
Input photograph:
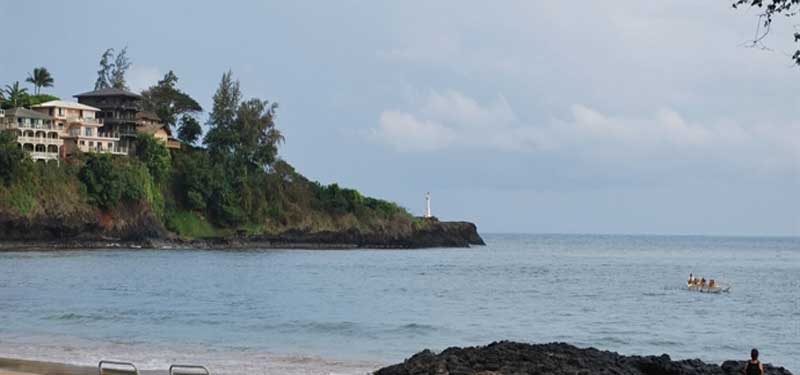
{"type": "Point", "coordinates": [190, 225]}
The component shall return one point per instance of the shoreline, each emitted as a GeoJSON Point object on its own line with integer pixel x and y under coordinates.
{"type": "Point", "coordinates": [215, 244]}
{"type": "Point", "coordinates": [496, 358]}
{"type": "Point", "coordinates": [439, 235]}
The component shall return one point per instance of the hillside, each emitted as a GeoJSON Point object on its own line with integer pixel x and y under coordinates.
{"type": "Point", "coordinates": [185, 196]}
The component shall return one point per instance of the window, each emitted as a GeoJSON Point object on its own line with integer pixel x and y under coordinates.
{"type": "Point", "coordinates": [83, 143]}
{"type": "Point", "coordinates": [61, 111]}
{"type": "Point", "coordinates": [87, 132]}
{"type": "Point", "coordinates": [109, 145]}
{"type": "Point", "coordinates": [91, 144]}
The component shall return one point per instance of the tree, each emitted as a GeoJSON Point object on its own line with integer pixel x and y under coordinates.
{"type": "Point", "coordinates": [190, 130]}
{"type": "Point", "coordinates": [16, 95]}
{"type": "Point", "coordinates": [771, 9]}
{"type": "Point", "coordinates": [14, 163]}
{"type": "Point", "coordinates": [154, 155]}
{"type": "Point", "coordinates": [112, 73]}
{"type": "Point", "coordinates": [106, 65]}
{"type": "Point", "coordinates": [221, 136]}
{"type": "Point", "coordinates": [121, 65]}
{"type": "Point", "coordinates": [101, 180]}
{"type": "Point", "coordinates": [258, 138]}
{"type": "Point", "coordinates": [40, 78]}
{"type": "Point", "coordinates": [168, 102]}
{"type": "Point", "coordinates": [242, 130]}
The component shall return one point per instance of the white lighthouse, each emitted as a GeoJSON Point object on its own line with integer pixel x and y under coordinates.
{"type": "Point", "coordinates": [428, 204]}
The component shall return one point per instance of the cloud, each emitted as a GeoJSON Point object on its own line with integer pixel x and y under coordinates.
{"type": "Point", "coordinates": [451, 120]}
{"type": "Point", "coordinates": [140, 77]}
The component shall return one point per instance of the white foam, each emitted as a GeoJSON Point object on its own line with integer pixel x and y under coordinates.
{"type": "Point", "coordinates": [85, 352]}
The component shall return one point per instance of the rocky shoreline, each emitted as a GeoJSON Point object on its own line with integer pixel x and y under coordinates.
{"type": "Point", "coordinates": [507, 357]}
{"type": "Point", "coordinates": [438, 234]}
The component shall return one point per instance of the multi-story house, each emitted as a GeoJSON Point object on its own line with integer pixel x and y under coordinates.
{"type": "Point", "coordinates": [150, 123]}
{"type": "Point", "coordinates": [81, 128]}
{"type": "Point", "coordinates": [118, 110]}
{"type": "Point", "coordinates": [36, 133]}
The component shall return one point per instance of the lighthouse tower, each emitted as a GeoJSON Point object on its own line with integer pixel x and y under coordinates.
{"type": "Point", "coordinates": [428, 204]}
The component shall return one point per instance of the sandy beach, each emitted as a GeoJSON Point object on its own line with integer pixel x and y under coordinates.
{"type": "Point", "coordinates": [9, 366]}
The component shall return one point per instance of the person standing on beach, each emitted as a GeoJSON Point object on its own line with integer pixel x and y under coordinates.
{"type": "Point", "coordinates": [754, 366]}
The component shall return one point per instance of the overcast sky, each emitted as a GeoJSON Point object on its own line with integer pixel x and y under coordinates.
{"type": "Point", "coordinates": [523, 116]}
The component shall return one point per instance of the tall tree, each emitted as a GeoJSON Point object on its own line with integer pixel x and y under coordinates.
{"type": "Point", "coordinates": [168, 102]}
{"type": "Point", "coordinates": [771, 9]}
{"type": "Point", "coordinates": [258, 138]}
{"type": "Point", "coordinates": [221, 137]}
{"type": "Point", "coordinates": [121, 65]}
{"type": "Point", "coordinates": [16, 96]}
{"type": "Point", "coordinates": [106, 65]}
{"type": "Point", "coordinates": [40, 78]}
{"type": "Point", "coordinates": [243, 131]}
{"type": "Point", "coordinates": [112, 70]}
{"type": "Point", "coordinates": [190, 130]}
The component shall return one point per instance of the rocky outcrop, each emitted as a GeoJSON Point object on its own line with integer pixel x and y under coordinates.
{"type": "Point", "coordinates": [129, 223]}
{"type": "Point", "coordinates": [433, 234]}
{"type": "Point", "coordinates": [557, 359]}
{"type": "Point", "coordinates": [139, 228]}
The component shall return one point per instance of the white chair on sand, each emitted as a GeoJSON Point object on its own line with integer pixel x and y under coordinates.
{"type": "Point", "coordinates": [116, 368]}
{"type": "Point", "coordinates": [188, 370]}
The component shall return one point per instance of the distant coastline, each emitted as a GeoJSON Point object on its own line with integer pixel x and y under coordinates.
{"type": "Point", "coordinates": [437, 234]}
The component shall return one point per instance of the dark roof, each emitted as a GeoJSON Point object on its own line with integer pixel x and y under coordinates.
{"type": "Point", "coordinates": [111, 91]}
{"type": "Point", "coordinates": [26, 113]}
{"type": "Point", "coordinates": [147, 116]}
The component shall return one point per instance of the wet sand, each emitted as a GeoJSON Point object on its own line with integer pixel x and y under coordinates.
{"type": "Point", "coordinates": [10, 366]}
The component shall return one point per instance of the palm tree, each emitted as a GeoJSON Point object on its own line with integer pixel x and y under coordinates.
{"type": "Point", "coordinates": [15, 94]}
{"type": "Point", "coordinates": [40, 78]}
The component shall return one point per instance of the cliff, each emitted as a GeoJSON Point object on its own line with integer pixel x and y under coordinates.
{"type": "Point", "coordinates": [139, 228]}
{"type": "Point", "coordinates": [556, 359]}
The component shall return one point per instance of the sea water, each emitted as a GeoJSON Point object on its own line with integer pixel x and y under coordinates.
{"type": "Point", "coordinates": [352, 311]}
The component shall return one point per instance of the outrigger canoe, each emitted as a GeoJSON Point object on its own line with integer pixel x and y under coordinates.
{"type": "Point", "coordinates": [719, 288]}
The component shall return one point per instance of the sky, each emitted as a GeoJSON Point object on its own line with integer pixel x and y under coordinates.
{"type": "Point", "coordinates": [631, 117]}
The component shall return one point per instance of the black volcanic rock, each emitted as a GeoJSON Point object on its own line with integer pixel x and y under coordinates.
{"type": "Point", "coordinates": [558, 359]}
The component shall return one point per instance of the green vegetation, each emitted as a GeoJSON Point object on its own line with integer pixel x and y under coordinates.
{"type": "Point", "coordinates": [15, 96]}
{"type": "Point", "coordinates": [40, 78]}
{"type": "Point", "coordinates": [169, 103]}
{"type": "Point", "coordinates": [236, 184]}
{"type": "Point", "coordinates": [112, 73]}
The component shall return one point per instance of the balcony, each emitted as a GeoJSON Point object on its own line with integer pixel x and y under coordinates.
{"type": "Point", "coordinates": [100, 150]}
{"type": "Point", "coordinates": [85, 120]}
{"type": "Point", "coordinates": [27, 125]}
{"type": "Point", "coordinates": [41, 141]}
{"type": "Point", "coordinates": [42, 155]}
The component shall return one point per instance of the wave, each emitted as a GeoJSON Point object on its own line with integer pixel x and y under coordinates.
{"type": "Point", "coordinates": [84, 318]}
{"type": "Point", "coordinates": [84, 352]}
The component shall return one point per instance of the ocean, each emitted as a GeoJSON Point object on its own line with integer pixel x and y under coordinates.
{"type": "Point", "coordinates": [352, 311]}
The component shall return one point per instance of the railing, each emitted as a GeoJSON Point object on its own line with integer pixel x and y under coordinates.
{"type": "Point", "coordinates": [173, 144]}
{"type": "Point", "coordinates": [100, 150]}
{"type": "Point", "coordinates": [24, 125]}
{"type": "Point", "coordinates": [41, 140]}
{"type": "Point", "coordinates": [35, 155]}
{"type": "Point", "coordinates": [85, 120]}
